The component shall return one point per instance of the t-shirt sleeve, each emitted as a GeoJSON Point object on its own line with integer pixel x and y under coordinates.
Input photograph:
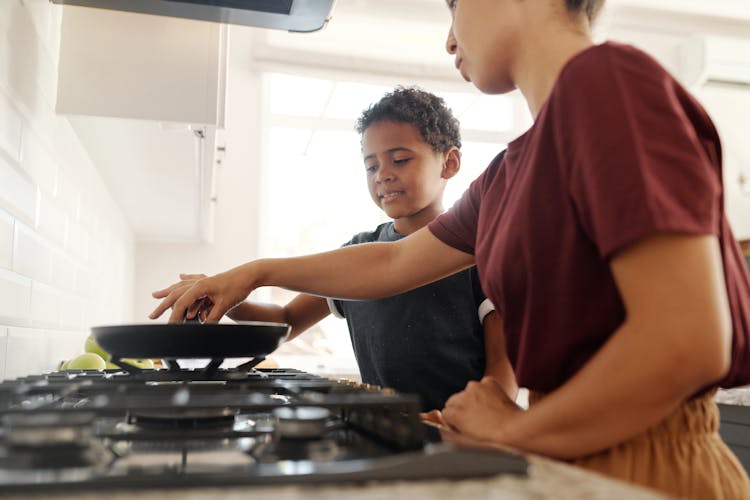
{"type": "Point", "coordinates": [457, 227]}
{"type": "Point", "coordinates": [638, 164]}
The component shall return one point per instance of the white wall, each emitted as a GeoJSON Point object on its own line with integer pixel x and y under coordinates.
{"type": "Point", "coordinates": [661, 34]}
{"type": "Point", "coordinates": [238, 186]}
{"type": "Point", "coordinates": [66, 251]}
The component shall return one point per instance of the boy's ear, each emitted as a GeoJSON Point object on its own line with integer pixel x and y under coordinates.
{"type": "Point", "coordinates": [451, 163]}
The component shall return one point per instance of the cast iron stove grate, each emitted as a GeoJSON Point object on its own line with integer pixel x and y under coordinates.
{"type": "Point", "coordinates": [242, 426]}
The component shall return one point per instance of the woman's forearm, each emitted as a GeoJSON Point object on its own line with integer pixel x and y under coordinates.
{"type": "Point", "coordinates": [630, 385]}
{"type": "Point", "coordinates": [362, 272]}
{"type": "Point", "coordinates": [366, 271]}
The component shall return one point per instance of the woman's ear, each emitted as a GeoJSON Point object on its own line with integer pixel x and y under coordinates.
{"type": "Point", "coordinates": [451, 163]}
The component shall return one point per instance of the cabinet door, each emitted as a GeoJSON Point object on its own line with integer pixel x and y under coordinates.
{"type": "Point", "coordinates": [127, 65]}
{"type": "Point", "coordinates": [729, 107]}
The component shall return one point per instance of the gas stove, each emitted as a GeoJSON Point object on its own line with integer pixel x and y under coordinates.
{"type": "Point", "coordinates": [218, 427]}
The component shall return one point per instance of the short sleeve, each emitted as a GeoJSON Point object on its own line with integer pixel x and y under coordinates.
{"type": "Point", "coordinates": [640, 153]}
{"type": "Point", "coordinates": [334, 307]}
{"type": "Point", "coordinates": [458, 226]}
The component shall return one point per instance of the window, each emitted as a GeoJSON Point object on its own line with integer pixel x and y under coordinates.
{"type": "Point", "coordinates": [319, 196]}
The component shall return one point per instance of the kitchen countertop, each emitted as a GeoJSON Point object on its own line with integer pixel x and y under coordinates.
{"type": "Point", "coordinates": [547, 479]}
{"type": "Point", "coordinates": [739, 396]}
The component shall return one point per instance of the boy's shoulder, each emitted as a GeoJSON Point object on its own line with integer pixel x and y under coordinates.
{"type": "Point", "coordinates": [384, 232]}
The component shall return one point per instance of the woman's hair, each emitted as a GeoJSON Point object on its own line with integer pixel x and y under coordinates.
{"type": "Point", "coordinates": [426, 111]}
{"type": "Point", "coordinates": [590, 7]}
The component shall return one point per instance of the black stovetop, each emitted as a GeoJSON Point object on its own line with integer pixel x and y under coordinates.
{"type": "Point", "coordinates": [167, 428]}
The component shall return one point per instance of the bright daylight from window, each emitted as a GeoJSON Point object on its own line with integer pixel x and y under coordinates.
{"type": "Point", "coordinates": [316, 174]}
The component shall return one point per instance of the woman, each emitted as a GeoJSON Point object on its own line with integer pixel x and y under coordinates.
{"type": "Point", "coordinates": [601, 239]}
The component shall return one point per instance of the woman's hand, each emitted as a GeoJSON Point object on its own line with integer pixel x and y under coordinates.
{"type": "Point", "coordinates": [207, 298]}
{"type": "Point", "coordinates": [199, 310]}
{"type": "Point", "coordinates": [477, 414]}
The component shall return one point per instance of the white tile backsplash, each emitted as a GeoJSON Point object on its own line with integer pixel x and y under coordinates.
{"type": "Point", "coordinates": [78, 241]}
{"type": "Point", "coordinates": [83, 282]}
{"type": "Point", "coordinates": [46, 305]}
{"type": "Point", "coordinates": [3, 350]}
{"type": "Point", "coordinates": [68, 195]}
{"type": "Point", "coordinates": [18, 194]}
{"type": "Point", "coordinates": [66, 248]}
{"type": "Point", "coordinates": [52, 220]}
{"type": "Point", "coordinates": [42, 168]}
{"type": "Point", "coordinates": [15, 298]}
{"type": "Point", "coordinates": [63, 272]}
{"type": "Point", "coordinates": [62, 346]}
{"type": "Point", "coordinates": [27, 352]}
{"type": "Point", "coordinates": [6, 240]}
{"type": "Point", "coordinates": [32, 255]}
{"type": "Point", "coordinates": [11, 128]}
{"type": "Point", "coordinates": [71, 312]}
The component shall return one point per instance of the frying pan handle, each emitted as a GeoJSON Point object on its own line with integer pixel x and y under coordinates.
{"type": "Point", "coordinates": [196, 319]}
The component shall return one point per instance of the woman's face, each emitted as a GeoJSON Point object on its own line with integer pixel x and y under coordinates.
{"type": "Point", "coordinates": [483, 38]}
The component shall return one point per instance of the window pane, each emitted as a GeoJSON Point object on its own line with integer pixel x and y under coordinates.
{"type": "Point", "coordinates": [475, 157]}
{"type": "Point", "coordinates": [350, 99]}
{"type": "Point", "coordinates": [298, 96]}
{"type": "Point", "coordinates": [489, 112]}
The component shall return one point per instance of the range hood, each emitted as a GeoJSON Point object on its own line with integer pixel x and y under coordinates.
{"type": "Point", "coordinates": [290, 15]}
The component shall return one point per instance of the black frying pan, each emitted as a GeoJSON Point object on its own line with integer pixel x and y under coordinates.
{"type": "Point", "coordinates": [191, 340]}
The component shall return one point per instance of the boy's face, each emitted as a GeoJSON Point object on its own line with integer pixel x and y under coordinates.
{"type": "Point", "coordinates": [406, 178]}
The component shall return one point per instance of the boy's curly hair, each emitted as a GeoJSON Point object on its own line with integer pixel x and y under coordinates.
{"type": "Point", "coordinates": [426, 111]}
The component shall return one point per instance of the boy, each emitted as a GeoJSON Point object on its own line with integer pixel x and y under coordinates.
{"type": "Point", "coordinates": [433, 339]}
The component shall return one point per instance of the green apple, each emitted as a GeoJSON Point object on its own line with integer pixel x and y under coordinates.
{"type": "Point", "coordinates": [144, 364]}
{"type": "Point", "coordinates": [63, 365]}
{"type": "Point", "coordinates": [91, 345]}
{"type": "Point", "coordinates": [87, 361]}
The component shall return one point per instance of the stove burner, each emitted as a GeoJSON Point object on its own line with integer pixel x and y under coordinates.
{"type": "Point", "coordinates": [52, 458]}
{"type": "Point", "coordinates": [48, 430]}
{"type": "Point", "coordinates": [303, 422]}
{"type": "Point", "coordinates": [184, 418]}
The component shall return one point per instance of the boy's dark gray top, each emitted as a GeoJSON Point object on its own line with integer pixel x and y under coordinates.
{"type": "Point", "coordinates": [427, 341]}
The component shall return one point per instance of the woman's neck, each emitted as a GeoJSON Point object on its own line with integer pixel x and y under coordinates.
{"type": "Point", "coordinates": [546, 50]}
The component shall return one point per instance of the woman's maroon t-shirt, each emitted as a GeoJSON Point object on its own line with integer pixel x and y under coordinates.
{"type": "Point", "coordinates": [619, 152]}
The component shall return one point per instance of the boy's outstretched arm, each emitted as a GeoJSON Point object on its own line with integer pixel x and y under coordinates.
{"type": "Point", "coordinates": [302, 312]}
{"type": "Point", "coordinates": [365, 271]}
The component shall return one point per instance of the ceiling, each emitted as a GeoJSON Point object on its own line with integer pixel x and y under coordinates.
{"type": "Point", "coordinates": [149, 167]}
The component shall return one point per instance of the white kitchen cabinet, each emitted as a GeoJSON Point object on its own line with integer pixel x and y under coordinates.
{"type": "Point", "coordinates": [729, 106]}
{"type": "Point", "coordinates": [137, 66]}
